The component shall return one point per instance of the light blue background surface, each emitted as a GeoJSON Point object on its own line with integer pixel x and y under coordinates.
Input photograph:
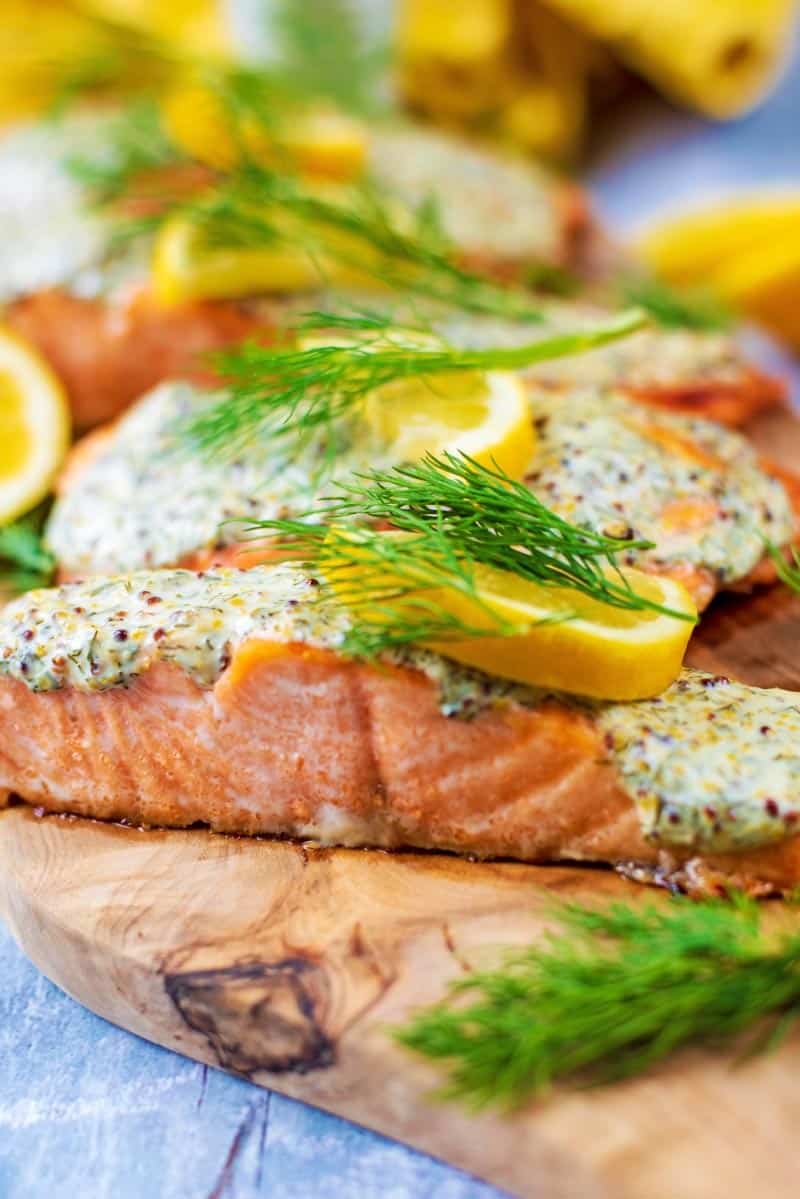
{"type": "Point", "coordinates": [90, 1112]}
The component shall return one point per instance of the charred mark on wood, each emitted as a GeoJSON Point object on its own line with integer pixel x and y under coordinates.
{"type": "Point", "coordinates": [258, 1015]}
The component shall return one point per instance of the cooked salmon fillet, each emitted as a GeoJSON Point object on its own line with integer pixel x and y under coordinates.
{"type": "Point", "coordinates": [108, 354]}
{"type": "Point", "coordinates": [252, 734]}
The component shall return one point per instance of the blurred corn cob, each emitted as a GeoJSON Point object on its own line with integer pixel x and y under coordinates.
{"type": "Point", "coordinates": [718, 56]}
{"type": "Point", "coordinates": [510, 68]}
{"type": "Point", "coordinates": [529, 70]}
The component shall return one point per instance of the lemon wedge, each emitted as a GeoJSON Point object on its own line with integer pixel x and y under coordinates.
{"type": "Point", "coordinates": [485, 415]}
{"type": "Point", "coordinates": [34, 427]}
{"type": "Point", "coordinates": [317, 141]}
{"type": "Point", "coordinates": [567, 641]}
{"type": "Point", "coordinates": [747, 253]}
{"type": "Point", "coordinates": [683, 249]}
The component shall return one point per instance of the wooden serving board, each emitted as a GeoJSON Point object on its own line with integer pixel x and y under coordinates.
{"type": "Point", "coordinates": [290, 965]}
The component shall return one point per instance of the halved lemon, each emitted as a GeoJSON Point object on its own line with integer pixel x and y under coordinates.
{"type": "Point", "coordinates": [318, 141]}
{"type": "Point", "coordinates": [485, 415]}
{"type": "Point", "coordinates": [34, 427]}
{"type": "Point", "coordinates": [567, 641]}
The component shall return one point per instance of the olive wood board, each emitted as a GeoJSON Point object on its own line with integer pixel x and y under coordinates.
{"type": "Point", "coordinates": [290, 965]}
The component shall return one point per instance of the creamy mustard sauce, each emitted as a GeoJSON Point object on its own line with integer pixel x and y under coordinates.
{"type": "Point", "coordinates": [613, 465]}
{"type": "Point", "coordinates": [710, 764]}
{"type": "Point", "coordinates": [146, 502]}
{"type": "Point", "coordinates": [50, 237]}
{"type": "Point", "coordinates": [488, 204]}
{"type": "Point", "coordinates": [149, 500]}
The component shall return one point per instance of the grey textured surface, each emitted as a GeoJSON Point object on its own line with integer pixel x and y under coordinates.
{"type": "Point", "coordinates": [90, 1112]}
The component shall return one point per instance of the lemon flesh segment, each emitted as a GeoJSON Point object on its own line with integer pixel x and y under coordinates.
{"type": "Point", "coordinates": [300, 258]}
{"type": "Point", "coordinates": [34, 427]}
{"type": "Point", "coordinates": [485, 416]}
{"type": "Point", "coordinates": [571, 642]}
{"type": "Point", "coordinates": [317, 141]}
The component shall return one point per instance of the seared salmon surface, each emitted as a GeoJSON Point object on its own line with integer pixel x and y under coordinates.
{"type": "Point", "coordinates": [409, 751]}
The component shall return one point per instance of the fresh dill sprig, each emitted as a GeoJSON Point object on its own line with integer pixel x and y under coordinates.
{"type": "Point", "coordinates": [787, 570]}
{"type": "Point", "coordinates": [25, 562]}
{"type": "Point", "coordinates": [360, 229]}
{"type": "Point", "coordinates": [134, 143]}
{"type": "Point", "coordinates": [456, 515]}
{"type": "Point", "coordinates": [275, 392]}
{"type": "Point", "coordinates": [609, 994]}
{"type": "Point", "coordinates": [674, 308]}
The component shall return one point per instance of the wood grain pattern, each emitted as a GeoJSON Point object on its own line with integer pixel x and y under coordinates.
{"type": "Point", "coordinates": [289, 965]}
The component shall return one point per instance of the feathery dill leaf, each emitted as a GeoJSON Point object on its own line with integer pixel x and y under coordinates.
{"type": "Point", "coordinates": [788, 571]}
{"type": "Point", "coordinates": [456, 514]}
{"type": "Point", "coordinates": [134, 143]}
{"type": "Point", "coordinates": [277, 392]}
{"type": "Point", "coordinates": [610, 993]}
{"type": "Point", "coordinates": [24, 561]}
{"type": "Point", "coordinates": [677, 308]}
{"type": "Point", "coordinates": [360, 228]}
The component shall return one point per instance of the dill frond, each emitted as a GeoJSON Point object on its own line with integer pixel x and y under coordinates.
{"type": "Point", "coordinates": [361, 229]}
{"type": "Point", "coordinates": [674, 308]}
{"type": "Point", "coordinates": [325, 51]}
{"type": "Point", "coordinates": [788, 571]}
{"type": "Point", "coordinates": [276, 392]}
{"type": "Point", "coordinates": [609, 994]}
{"type": "Point", "coordinates": [456, 514]}
{"type": "Point", "coordinates": [134, 144]}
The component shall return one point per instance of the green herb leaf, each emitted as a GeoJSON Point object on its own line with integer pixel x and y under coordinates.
{"type": "Point", "coordinates": [611, 992]}
{"type": "Point", "coordinates": [281, 392]}
{"type": "Point", "coordinates": [24, 561]}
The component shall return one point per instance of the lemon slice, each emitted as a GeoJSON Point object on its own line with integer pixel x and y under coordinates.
{"type": "Point", "coordinates": [317, 141]}
{"type": "Point", "coordinates": [747, 253]}
{"type": "Point", "coordinates": [571, 642]}
{"type": "Point", "coordinates": [34, 427]}
{"type": "Point", "coordinates": [486, 416]}
{"type": "Point", "coordinates": [186, 267]}
{"type": "Point", "coordinates": [567, 641]}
